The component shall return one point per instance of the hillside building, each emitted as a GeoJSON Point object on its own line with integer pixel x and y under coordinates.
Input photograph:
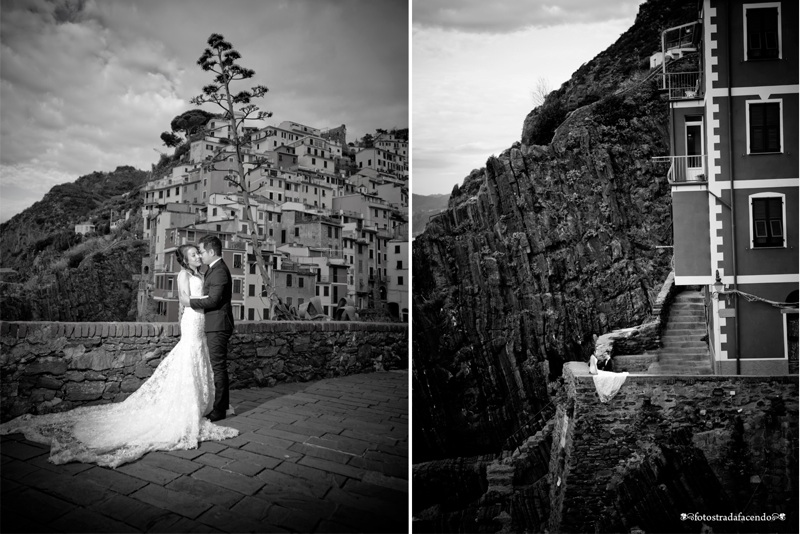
{"type": "Point", "coordinates": [734, 177]}
{"type": "Point", "coordinates": [301, 201]}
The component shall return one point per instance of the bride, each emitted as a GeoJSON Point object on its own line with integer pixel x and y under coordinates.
{"type": "Point", "coordinates": [606, 383]}
{"type": "Point", "coordinates": [165, 413]}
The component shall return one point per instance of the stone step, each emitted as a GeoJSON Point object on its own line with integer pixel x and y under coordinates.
{"type": "Point", "coordinates": [688, 335]}
{"type": "Point", "coordinates": [675, 314]}
{"type": "Point", "coordinates": [686, 365]}
{"type": "Point", "coordinates": [679, 371]}
{"type": "Point", "coordinates": [688, 300]}
{"type": "Point", "coordinates": [689, 328]}
{"type": "Point", "coordinates": [686, 306]}
{"type": "Point", "coordinates": [672, 343]}
{"type": "Point", "coordinates": [683, 354]}
{"type": "Point", "coordinates": [697, 356]}
{"type": "Point", "coordinates": [700, 360]}
{"type": "Point", "coordinates": [687, 321]}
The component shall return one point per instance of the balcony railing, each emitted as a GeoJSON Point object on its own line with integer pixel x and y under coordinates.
{"type": "Point", "coordinates": [682, 85]}
{"type": "Point", "coordinates": [685, 168]}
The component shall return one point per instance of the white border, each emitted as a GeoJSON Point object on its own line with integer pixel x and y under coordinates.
{"type": "Point", "coordinates": [783, 217]}
{"type": "Point", "coordinates": [745, 7]}
{"type": "Point", "coordinates": [778, 101]}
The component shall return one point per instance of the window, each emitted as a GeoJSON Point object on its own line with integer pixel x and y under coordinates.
{"type": "Point", "coordinates": [330, 231]}
{"type": "Point", "coordinates": [288, 280]}
{"type": "Point", "coordinates": [397, 249]}
{"type": "Point", "coordinates": [237, 261]}
{"type": "Point", "coordinates": [237, 285]}
{"type": "Point", "coordinates": [265, 313]}
{"type": "Point", "coordinates": [251, 314]}
{"type": "Point", "coordinates": [213, 212]}
{"type": "Point", "coordinates": [253, 268]}
{"type": "Point", "coordinates": [326, 291]}
{"type": "Point", "coordinates": [763, 34]}
{"type": "Point", "coordinates": [768, 218]}
{"type": "Point", "coordinates": [764, 127]}
{"type": "Point", "coordinates": [399, 264]}
{"type": "Point", "coordinates": [288, 301]}
{"type": "Point", "coordinates": [297, 232]}
{"type": "Point", "coordinates": [251, 290]}
{"type": "Point", "coordinates": [399, 280]}
{"type": "Point", "coordinates": [300, 281]}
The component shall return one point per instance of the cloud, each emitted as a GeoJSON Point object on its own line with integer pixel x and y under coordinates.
{"type": "Point", "coordinates": [19, 183]}
{"type": "Point", "coordinates": [505, 16]}
{"type": "Point", "coordinates": [89, 85]}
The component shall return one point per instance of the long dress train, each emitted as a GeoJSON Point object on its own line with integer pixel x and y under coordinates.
{"type": "Point", "coordinates": [165, 413]}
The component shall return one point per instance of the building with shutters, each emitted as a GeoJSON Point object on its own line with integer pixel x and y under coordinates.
{"type": "Point", "coordinates": [733, 174]}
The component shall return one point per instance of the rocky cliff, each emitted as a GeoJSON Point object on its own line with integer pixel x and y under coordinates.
{"type": "Point", "coordinates": [551, 243]}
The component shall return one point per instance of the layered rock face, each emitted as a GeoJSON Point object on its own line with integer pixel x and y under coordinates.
{"type": "Point", "coordinates": [544, 248]}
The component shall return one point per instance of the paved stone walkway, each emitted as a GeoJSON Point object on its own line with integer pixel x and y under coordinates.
{"type": "Point", "coordinates": [326, 456]}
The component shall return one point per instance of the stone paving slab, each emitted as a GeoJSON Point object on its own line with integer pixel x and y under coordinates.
{"type": "Point", "coordinates": [325, 456]}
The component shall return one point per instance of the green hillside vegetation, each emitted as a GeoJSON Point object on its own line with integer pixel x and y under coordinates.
{"type": "Point", "coordinates": [41, 246]}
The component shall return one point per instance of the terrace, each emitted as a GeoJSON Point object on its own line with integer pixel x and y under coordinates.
{"type": "Point", "coordinates": [682, 74]}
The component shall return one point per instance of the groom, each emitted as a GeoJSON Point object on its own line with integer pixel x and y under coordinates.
{"type": "Point", "coordinates": [219, 319]}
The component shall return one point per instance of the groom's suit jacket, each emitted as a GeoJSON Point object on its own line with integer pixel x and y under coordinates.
{"type": "Point", "coordinates": [219, 288]}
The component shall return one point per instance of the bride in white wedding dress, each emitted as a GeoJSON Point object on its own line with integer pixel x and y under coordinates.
{"type": "Point", "coordinates": [165, 413]}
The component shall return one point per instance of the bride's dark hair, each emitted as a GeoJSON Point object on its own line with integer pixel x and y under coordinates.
{"type": "Point", "coordinates": [180, 254]}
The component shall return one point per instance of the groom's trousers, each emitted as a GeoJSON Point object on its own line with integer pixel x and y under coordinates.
{"type": "Point", "coordinates": [218, 353]}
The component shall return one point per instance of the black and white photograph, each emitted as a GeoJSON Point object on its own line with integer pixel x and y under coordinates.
{"type": "Point", "coordinates": [429, 266]}
{"type": "Point", "coordinates": [605, 266]}
{"type": "Point", "coordinates": [205, 275]}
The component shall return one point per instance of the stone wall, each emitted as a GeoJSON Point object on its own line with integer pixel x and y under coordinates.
{"type": "Point", "coordinates": [638, 339]}
{"type": "Point", "coordinates": [50, 367]}
{"type": "Point", "coordinates": [669, 445]}
{"type": "Point", "coordinates": [507, 492]}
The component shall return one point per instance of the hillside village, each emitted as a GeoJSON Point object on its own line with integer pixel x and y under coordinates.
{"type": "Point", "coordinates": [331, 218]}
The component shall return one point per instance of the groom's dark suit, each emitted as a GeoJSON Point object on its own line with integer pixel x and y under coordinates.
{"type": "Point", "coordinates": [219, 328]}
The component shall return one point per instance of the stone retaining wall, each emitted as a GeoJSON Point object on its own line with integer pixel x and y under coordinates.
{"type": "Point", "coordinates": [667, 445]}
{"type": "Point", "coordinates": [48, 366]}
{"type": "Point", "coordinates": [638, 339]}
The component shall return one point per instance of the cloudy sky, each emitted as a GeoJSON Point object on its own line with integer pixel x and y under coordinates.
{"type": "Point", "coordinates": [88, 85]}
{"type": "Point", "coordinates": [476, 65]}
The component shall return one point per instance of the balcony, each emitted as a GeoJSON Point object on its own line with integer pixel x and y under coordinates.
{"type": "Point", "coordinates": [682, 85]}
{"type": "Point", "coordinates": [685, 169]}
{"type": "Point", "coordinates": [682, 76]}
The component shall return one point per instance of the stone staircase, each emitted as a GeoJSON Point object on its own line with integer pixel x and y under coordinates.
{"type": "Point", "coordinates": [684, 350]}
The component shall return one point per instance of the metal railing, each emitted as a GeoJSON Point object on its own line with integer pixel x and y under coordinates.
{"type": "Point", "coordinates": [685, 168]}
{"type": "Point", "coordinates": [682, 85]}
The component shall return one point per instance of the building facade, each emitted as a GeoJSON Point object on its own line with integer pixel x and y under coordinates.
{"type": "Point", "coordinates": [733, 96]}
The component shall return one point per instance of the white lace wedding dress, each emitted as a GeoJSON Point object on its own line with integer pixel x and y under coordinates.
{"type": "Point", "coordinates": [165, 413]}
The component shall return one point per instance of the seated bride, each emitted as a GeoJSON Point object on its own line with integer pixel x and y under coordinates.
{"type": "Point", "coordinates": [606, 383]}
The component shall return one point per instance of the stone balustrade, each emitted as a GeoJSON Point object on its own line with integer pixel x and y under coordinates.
{"type": "Point", "coordinates": [49, 366]}
{"type": "Point", "coordinates": [638, 339]}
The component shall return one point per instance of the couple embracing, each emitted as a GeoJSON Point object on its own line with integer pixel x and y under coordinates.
{"type": "Point", "coordinates": [177, 406]}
